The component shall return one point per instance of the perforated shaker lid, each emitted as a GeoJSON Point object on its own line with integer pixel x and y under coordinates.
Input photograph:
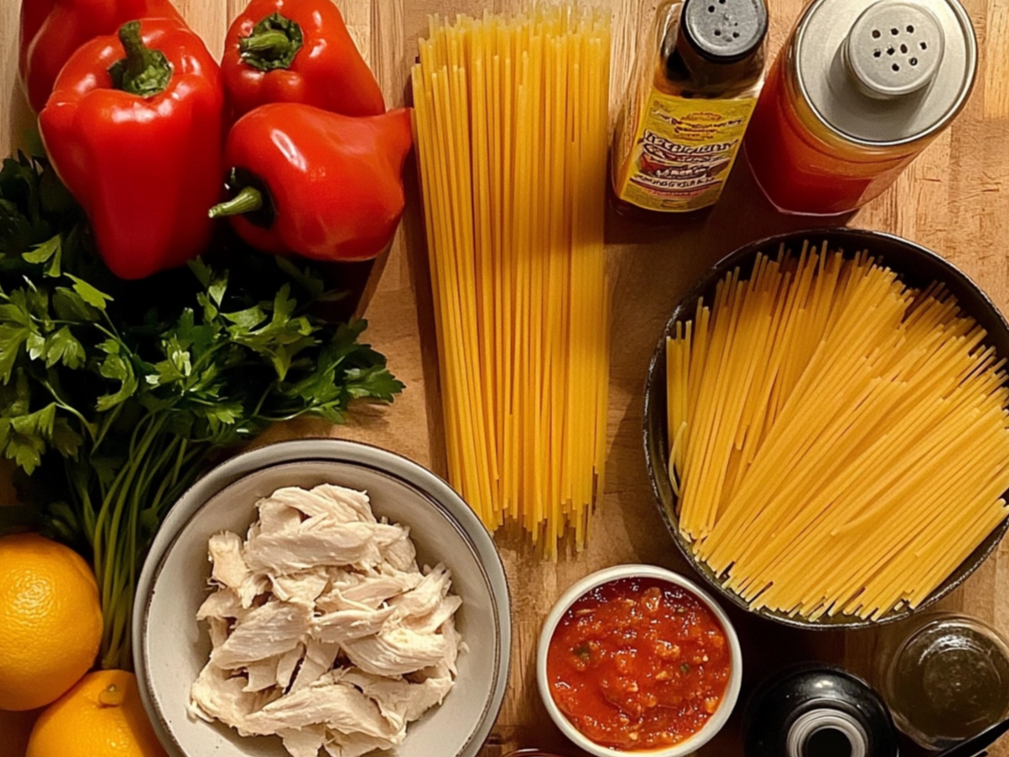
{"type": "Point", "coordinates": [885, 72]}
{"type": "Point", "coordinates": [724, 31]}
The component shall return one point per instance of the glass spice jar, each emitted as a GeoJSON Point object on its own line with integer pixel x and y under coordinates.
{"type": "Point", "coordinates": [948, 680]}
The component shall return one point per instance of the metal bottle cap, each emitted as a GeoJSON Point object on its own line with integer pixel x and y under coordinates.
{"type": "Point", "coordinates": [885, 72]}
{"type": "Point", "coordinates": [724, 31]}
{"type": "Point", "coordinates": [894, 48]}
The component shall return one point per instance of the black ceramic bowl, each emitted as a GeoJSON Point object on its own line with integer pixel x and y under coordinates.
{"type": "Point", "coordinates": [917, 267]}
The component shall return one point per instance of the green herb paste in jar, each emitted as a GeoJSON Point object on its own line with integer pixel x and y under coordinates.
{"type": "Point", "coordinates": [949, 681]}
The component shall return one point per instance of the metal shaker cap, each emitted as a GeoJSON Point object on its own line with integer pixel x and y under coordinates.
{"type": "Point", "coordinates": [894, 48]}
{"type": "Point", "coordinates": [885, 72]}
{"type": "Point", "coordinates": [724, 31]}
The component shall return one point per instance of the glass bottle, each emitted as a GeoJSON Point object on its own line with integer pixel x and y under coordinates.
{"type": "Point", "coordinates": [812, 710]}
{"type": "Point", "coordinates": [860, 88]}
{"type": "Point", "coordinates": [694, 90]}
{"type": "Point", "coordinates": [948, 680]}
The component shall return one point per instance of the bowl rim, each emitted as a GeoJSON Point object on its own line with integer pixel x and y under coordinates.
{"type": "Point", "coordinates": [329, 450]}
{"type": "Point", "coordinates": [739, 257]}
{"type": "Point", "coordinates": [638, 570]}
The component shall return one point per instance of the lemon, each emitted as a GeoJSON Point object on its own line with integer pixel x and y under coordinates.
{"type": "Point", "coordinates": [102, 716]}
{"type": "Point", "coordinates": [50, 620]}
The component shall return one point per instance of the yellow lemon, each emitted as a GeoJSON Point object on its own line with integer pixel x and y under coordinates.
{"type": "Point", "coordinates": [50, 620]}
{"type": "Point", "coordinates": [102, 716]}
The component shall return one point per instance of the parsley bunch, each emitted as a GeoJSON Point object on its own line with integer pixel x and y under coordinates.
{"type": "Point", "coordinates": [114, 394]}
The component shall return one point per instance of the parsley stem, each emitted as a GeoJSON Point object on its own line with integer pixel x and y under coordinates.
{"type": "Point", "coordinates": [179, 460]}
{"type": "Point", "coordinates": [151, 469]}
{"type": "Point", "coordinates": [81, 494]}
{"type": "Point", "coordinates": [160, 459]}
{"type": "Point", "coordinates": [132, 552]}
{"type": "Point", "coordinates": [282, 418]}
{"type": "Point", "coordinates": [262, 400]}
{"type": "Point", "coordinates": [115, 562]}
{"type": "Point", "coordinates": [156, 502]}
{"type": "Point", "coordinates": [116, 653]}
{"type": "Point", "coordinates": [105, 536]}
{"type": "Point", "coordinates": [62, 405]}
{"type": "Point", "coordinates": [107, 422]}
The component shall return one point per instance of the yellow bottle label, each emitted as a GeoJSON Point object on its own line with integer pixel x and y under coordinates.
{"type": "Point", "coordinates": [682, 152]}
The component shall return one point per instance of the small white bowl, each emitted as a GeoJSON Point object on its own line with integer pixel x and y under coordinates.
{"type": "Point", "coordinates": [605, 576]}
{"type": "Point", "coordinates": [171, 647]}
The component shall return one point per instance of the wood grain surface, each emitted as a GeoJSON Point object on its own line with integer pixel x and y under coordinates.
{"type": "Point", "coordinates": [954, 199]}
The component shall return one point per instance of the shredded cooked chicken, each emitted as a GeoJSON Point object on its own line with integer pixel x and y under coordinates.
{"type": "Point", "coordinates": [324, 630]}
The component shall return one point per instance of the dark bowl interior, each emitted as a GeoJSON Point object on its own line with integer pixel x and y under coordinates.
{"type": "Point", "coordinates": [917, 267]}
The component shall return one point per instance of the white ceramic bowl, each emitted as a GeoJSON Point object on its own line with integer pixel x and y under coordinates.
{"type": "Point", "coordinates": [687, 746]}
{"type": "Point", "coordinates": [171, 647]}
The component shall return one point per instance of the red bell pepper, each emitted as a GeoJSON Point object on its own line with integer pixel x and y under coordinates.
{"type": "Point", "coordinates": [52, 30]}
{"type": "Point", "coordinates": [33, 15]}
{"type": "Point", "coordinates": [137, 140]}
{"type": "Point", "coordinates": [296, 51]}
{"type": "Point", "coordinates": [317, 184]}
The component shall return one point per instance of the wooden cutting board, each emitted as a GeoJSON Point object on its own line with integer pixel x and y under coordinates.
{"type": "Point", "coordinates": [954, 199]}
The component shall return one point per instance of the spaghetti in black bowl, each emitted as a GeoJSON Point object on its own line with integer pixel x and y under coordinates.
{"type": "Point", "coordinates": [828, 438]}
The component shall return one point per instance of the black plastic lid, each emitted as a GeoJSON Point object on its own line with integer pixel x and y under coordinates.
{"type": "Point", "coordinates": [806, 709]}
{"type": "Point", "coordinates": [724, 31]}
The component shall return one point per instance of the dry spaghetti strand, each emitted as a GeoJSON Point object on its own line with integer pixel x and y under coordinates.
{"type": "Point", "coordinates": [839, 442]}
{"type": "Point", "coordinates": [511, 119]}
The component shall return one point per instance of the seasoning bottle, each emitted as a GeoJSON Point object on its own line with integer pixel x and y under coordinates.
{"type": "Point", "coordinates": [817, 711]}
{"type": "Point", "coordinates": [948, 680]}
{"type": "Point", "coordinates": [695, 89]}
{"type": "Point", "coordinates": [858, 91]}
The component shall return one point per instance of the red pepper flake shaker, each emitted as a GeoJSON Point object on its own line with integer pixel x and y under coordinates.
{"type": "Point", "coordinates": [859, 90]}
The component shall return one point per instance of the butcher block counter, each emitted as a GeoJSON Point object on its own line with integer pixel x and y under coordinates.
{"type": "Point", "coordinates": [954, 199]}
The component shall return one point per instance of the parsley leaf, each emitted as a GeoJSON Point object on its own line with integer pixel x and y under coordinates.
{"type": "Point", "coordinates": [48, 252]}
{"type": "Point", "coordinates": [12, 337]}
{"type": "Point", "coordinates": [62, 347]}
{"type": "Point", "coordinates": [88, 293]}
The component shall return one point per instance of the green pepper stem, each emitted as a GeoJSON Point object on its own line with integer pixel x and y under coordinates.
{"type": "Point", "coordinates": [273, 44]}
{"type": "Point", "coordinates": [143, 72]}
{"type": "Point", "coordinates": [247, 200]}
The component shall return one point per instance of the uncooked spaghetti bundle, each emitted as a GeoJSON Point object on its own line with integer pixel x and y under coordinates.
{"type": "Point", "coordinates": [511, 120]}
{"type": "Point", "coordinates": [839, 441]}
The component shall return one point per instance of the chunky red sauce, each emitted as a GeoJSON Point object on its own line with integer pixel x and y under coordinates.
{"type": "Point", "coordinates": [638, 664]}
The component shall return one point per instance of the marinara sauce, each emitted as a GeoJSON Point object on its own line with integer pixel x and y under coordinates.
{"type": "Point", "coordinates": [638, 664]}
